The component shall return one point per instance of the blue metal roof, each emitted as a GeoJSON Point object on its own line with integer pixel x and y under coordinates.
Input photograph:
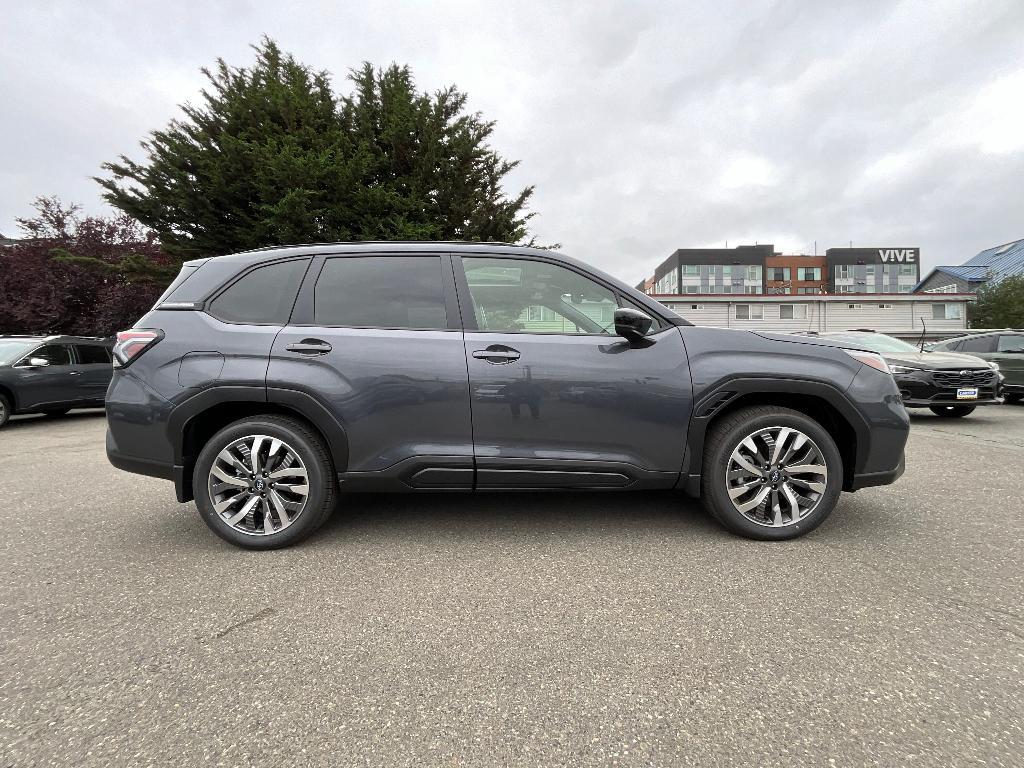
{"type": "Point", "coordinates": [991, 265]}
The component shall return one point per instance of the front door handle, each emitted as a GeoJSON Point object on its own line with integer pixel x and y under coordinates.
{"type": "Point", "coordinates": [75, 373]}
{"type": "Point", "coordinates": [310, 347]}
{"type": "Point", "coordinates": [497, 354]}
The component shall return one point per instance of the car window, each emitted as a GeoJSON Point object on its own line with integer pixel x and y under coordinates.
{"type": "Point", "coordinates": [525, 296]}
{"type": "Point", "coordinates": [263, 296]}
{"type": "Point", "coordinates": [381, 292]}
{"type": "Point", "coordinates": [978, 344]}
{"type": "Point", "coordinates": [12, 350]}
{"type": "Point", "coordinates": [1011, 343]}
{"type": "Point", "coordinates": [55, 354]}
{"type": "Point", "coordinates": [90, 354]}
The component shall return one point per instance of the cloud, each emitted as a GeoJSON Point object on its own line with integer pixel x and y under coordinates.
{"type": "Point", "coordinates": [645, 126]}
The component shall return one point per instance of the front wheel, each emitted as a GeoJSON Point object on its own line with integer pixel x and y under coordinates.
{"type": "Point", "coordinates": [770, 473]}
{"type": "Point", "coordinates": [264, 482]}
{"type": "Point", "coordinates": [5, 410]}
{"type": "Point", "coordinates": [952, 411]}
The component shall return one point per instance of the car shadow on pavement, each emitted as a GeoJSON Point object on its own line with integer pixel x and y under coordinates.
{"type": "Point", "coordinates": [30, 420]}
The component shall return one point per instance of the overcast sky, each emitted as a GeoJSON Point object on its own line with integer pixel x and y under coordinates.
{"type": "Point", "coordinates": [645, 127]}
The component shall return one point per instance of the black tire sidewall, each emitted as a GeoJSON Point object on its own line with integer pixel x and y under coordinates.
{"type": "Point", "coordinates": [957, 412]}
{"type": "Point", "coordinates": [715, 462]}
{"type": "Point", "coordinates": [319, 477]}
{"type": "Point", "coordinates": [5, 410]}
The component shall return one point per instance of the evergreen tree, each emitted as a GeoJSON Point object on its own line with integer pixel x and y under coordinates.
{"type": "Point", "coordinates": [1000, 304]}
{"type": "Point", "coordinates": [272, 156]}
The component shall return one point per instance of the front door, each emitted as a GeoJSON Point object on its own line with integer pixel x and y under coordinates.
{"type": "Point", "coordinates": [55, 384]}
{"type": "Point", "coordinates": [376, 339]}
{"type": "Point", "coordinates": [559, 400]}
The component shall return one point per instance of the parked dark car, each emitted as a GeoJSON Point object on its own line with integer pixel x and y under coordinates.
{"type": "Point", "coordinates": [265, 383]}
{"type": "Point", "coordinates": [52, 374]}
{"type": "Point", "coordinates": [947, 383]}
{"type": "Point", "coordinates": [1004, 348]}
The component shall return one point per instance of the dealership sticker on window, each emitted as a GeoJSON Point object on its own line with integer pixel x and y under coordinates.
{"type": "Point", "coordinates": [970, 393]}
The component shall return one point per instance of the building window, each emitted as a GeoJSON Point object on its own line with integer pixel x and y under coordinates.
{"type": "Point", "coordinates": [808, 290]}
{"type": "Point", "coordinates": [869, 270]}
{"type": "Point", "coordinates": [947, 312]}
{"type": "Point", "coordinates": [778, 273]}
{"type": "Point", "coordinates": [842, 271]}
{"type": "Point", "coordinates": [749, 312]}
{"type": "Point", "coordinates": [854, 306]}
{"type": "Point", "coordinates": [808, 273]}
{"type": "Point", "coordinates": [669, 283]}
{"type": "Point", "coordinates": [726, 288]}
{"type": "Point", "coordinates": [950, 288]}
{"type": "Point", "coordinates": [726, 271]}
{"type": "Point", "coordinates": [696, 306]}
{"type": "Point", "coordinates": [845, 289]}
{"type": "Point", "coordinates": [793, 311]}
{"type": "Point", "coordinates": [885, 306]}
{"type": "Point", "coordinates": [754, 274]}
{"type": "Point", "coordinates": [902, 288]}
{"type": "Point", "coordinates": [691, 289]}
{"type": "Point", "coordinates": [691, 269]}
{"type": "Point", "coordinates": [908, 269]}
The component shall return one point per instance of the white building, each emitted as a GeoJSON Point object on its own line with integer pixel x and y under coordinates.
{"type": "Point", "coordinates": [895, 314]}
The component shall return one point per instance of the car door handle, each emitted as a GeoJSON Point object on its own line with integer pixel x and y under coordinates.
{"type": "Point", "coordinates": [75, 373]}
{"type": "Point", "coordinates": [310, 347]}
{"type": "Point", "coordinates": [497, 354]}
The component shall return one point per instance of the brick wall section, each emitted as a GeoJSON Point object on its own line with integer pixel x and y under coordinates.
{"type": "Point", "coordinates": [794, 262]}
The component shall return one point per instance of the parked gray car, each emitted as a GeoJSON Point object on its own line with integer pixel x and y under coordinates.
{"type": "Point", "coordinates": [265, 384]}
{"type": "Point", "coordinates": [1004, 348]}
{"type": "Point", "coordinates": [52, 374]}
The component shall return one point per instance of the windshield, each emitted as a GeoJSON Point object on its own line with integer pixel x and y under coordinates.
{"type": "Point", "coordinates": [11, 350]}
{"type": "Point", "coordinates": [876, 342]}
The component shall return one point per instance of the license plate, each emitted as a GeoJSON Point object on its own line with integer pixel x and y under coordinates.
{"type": "Point", "coordinates": [967, 393]}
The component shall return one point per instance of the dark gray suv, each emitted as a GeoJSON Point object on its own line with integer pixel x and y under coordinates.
{"type": "Point", "coordinates": [52, 374]}
{"type": "Point", "coordinates": [265, 383]}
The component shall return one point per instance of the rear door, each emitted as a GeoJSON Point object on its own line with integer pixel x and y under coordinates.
{"type": "Point", "coordinates": [559, 400]}
{"type": "Point", "coordinates": [54, 384]}
{"type": "Point", "coordinates": [376, 339]}
{"type": "Point", "coordinates": [1010, 356]}
{"type": "Point", "coordinates": [93, 363]}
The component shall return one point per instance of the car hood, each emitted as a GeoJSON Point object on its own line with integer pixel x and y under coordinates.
{"type": "Point", "coordinates": [934, 360]}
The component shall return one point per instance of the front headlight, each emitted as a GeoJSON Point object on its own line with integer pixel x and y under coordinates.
{"type": "Point", "coordinates": [898, 369]}
{"type": "Point", "coordinates": [872, 359]}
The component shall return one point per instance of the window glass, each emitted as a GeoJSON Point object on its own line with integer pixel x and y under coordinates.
{"type": "Point", "coordinates": [91, 354]}
{"type": "Point", "coordinates": [56, 354]}
{"type": "Point", "coordinates": [691, 269]}
{"type": "Point", "coordinates": [11, 350]}
{"type": "Point", "coordinates": [749, 312]}
{"type": "Point", "coordinates": [264, 296]}
{"type": "Point", "coordinates": [1008, 343]}
{"type": "Point", "coordinates": [506, 292]}
{"type": "Point", "coordinates": [793, 311]}
{"type": "Point", "coordinates": [977, 344]}
{"type": "Point", "coordinates": [946, 311]}
{"type": "Point", "coordinates": [381, 292]}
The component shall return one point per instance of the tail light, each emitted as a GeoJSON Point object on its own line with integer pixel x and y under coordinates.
{"type": "Point", "coordinates": [131, 344]}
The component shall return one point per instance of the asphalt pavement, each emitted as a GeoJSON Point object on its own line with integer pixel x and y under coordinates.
{"type": "Point", "coordinates": [519, 630]}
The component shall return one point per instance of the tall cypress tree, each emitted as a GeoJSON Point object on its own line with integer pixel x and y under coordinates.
{"type": "Point", "coordinates": [272, 156]}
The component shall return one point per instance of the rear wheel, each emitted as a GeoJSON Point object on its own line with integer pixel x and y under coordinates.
{"type": "Point", "coordinates": [264, 482]}
{"type": "Point", "coordinates": [1013, 398]}
{"type": "Point", "coordinates": [5, 410]}
{"type": "Point", "coordinates": [770, 473]}
{"type": "Point", "coordinates": [952, 411]}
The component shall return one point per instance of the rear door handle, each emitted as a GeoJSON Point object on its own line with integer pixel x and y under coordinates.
{"type": "Point", "coordinates": [310, 347]}
{"type": "Point", "coordinates": [497, 354]}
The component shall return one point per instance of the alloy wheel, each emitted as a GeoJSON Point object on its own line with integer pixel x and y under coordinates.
{"type": "Point", "coordinates": [258, 485]}
{"type": "Point", "coordinates": [776, 476]}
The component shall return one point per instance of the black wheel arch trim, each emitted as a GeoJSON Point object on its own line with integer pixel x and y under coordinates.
{"type": "Point", "coordinates": [302, 403]}
{"type": "Point", "coordinates": [738, 386]}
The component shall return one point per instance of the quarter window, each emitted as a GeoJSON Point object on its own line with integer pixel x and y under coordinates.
{"type": "Point", "coordinates": [507, 294]}
{"type": "Point", "coordinates": [263, 296]}
{"type": "Point", "coordinates": [381, 292]}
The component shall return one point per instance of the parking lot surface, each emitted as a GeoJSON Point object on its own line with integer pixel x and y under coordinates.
{"type": "Point", "coordinates": [523, 630]}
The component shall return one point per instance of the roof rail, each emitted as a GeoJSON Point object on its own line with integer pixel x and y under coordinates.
{"type": "Point", "coordinates": [383, 242]}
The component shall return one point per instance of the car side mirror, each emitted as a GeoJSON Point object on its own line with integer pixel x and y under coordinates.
{"type": "Point", "coordinates": [632, 324]}
{"type": "Point", "coordinates": [38, 362]}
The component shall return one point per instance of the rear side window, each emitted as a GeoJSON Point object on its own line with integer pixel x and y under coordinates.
{"type": "Point", "coordinates": [979, 344]}
{"type": "Point", "coordinates": [1009, 343]}
{"type": "Point", "coordinates": [381, 292]}
{"type": "Point", "coordinates": [263, 296]}
{"type": "Point", "coordinates": [92, 355]}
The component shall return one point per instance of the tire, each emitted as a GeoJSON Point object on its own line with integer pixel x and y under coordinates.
{"type": "Point", "coordinates": [5, 410]}
{"type": "Point", "coordinates": [55, 412]}
{"type": "Point", "coordinates": [951, 411]}
{"type": "Point", "coordinates": [1011, 399]}
{"type": "Point", "coordinates": [815, 493]}
{"type": "Point", "coordinates": [279, 442]}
